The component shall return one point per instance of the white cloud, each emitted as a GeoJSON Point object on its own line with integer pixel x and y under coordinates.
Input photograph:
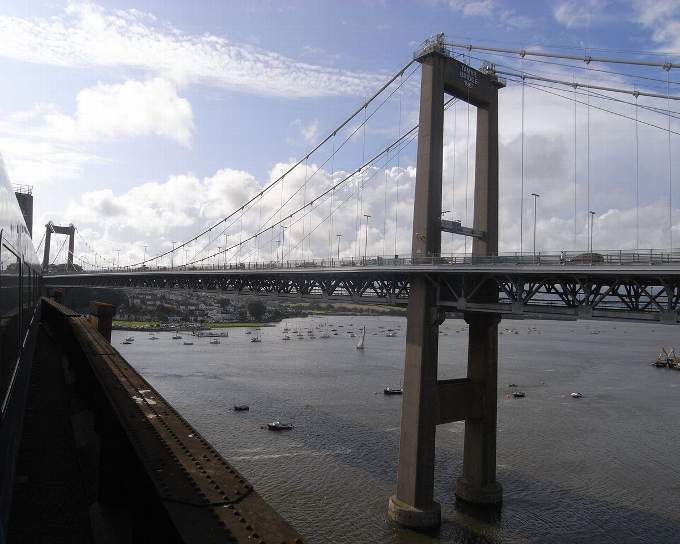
{"type": "Point", "coordinates": [133, 108]}
{"type": "Point", "coordinates": [309, 132]}
{"type": "Point", "coordinates": [493, 10]}
{"type": "Point", "coordinates": [45, 146]}
{"type": "Point", "coordinates": [473, 8]}
{"type": "Point", "coordinates": [577, 14]}
{"type": "Point", "coordinates": [662, 17]}
{"type": "Point", "coordinates": [87, 35]}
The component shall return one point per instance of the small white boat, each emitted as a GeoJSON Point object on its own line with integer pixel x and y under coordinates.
{"type": "Point", "coordinates": [518, 394]}
{"type": "Point", "coordinates": [153, 337]}
{"type": "Point", "coordinates": [278, 426]}
{"type": "Point", "coordinates": [393, 390]}
{"type": "Point", "coordinates": [576, 395]}
{"type": "Point", "coordinates": [391, 334]}
{"type": "Point", "coordinates": [215, 341]}
{"type": "Point", "coordinates": [176, 337]}
{"type": "Point", "coordinates": [285, 337]}
{"type": "Point", "coordinates": [360, 344]}
{"type": "Point", "coordinates": [130, 339]}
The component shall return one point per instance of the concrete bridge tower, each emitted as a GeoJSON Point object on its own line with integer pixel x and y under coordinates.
{"type": "Point", "coordinates": [428, 401]}
{"type": "Point", "coordinates": [70, 231]}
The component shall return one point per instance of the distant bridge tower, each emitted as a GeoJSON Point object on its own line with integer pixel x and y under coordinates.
{"type": "Point", "coordinates": [71, 232]}
{"type": "Point", "coordinates": [427, 401]}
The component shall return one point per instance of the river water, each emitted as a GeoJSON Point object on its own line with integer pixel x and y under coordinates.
{"type": "Point", "coordinates": [604, 468]}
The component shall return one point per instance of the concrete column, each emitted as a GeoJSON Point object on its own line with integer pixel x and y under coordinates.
{"type": "Point", "coordinates": [101, 316]}
{"type": "Point", "coordinates": [71, 247]}
{"type": "Point", "coordinates": [478, 483]}
{"type": "Point", "coordinates": [414, 505]}
{"type": "Point", "coordinates": [58, 295]}
{"type": "Point", "coordinates": [486, 180]}
{"type": "Point", "coordinates": [46, 253]}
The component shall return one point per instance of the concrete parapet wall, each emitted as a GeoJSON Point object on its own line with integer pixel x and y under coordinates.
{"type": "Point", "coordinates": [150, 476]}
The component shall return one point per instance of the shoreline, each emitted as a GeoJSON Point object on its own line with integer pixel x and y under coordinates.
{"type": "Point", "coordinates": [201, 327]}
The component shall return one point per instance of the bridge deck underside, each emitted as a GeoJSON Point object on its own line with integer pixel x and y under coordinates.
{"type": "Point", "coordinates": [649, 294]}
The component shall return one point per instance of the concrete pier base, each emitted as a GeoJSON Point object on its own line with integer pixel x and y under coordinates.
{"type": "Point", "coordinates": [487, 495]}
{"type": "Point", "coordinates": [411, 517]}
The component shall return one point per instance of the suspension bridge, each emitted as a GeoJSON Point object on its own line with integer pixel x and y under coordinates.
{"type": "Point", "coordinates": [285, 239]}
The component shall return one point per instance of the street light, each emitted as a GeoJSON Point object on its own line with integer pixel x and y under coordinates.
{"type": "Point", "coordinates": [172, 256]}
{"type": "Point", "coordinates": [338, 236]}
{"type": "Point", "coordinates": [118, 251]}
{"type": "Point", "coordinates": [536, 197]}
{"type": "Point", "coordinates": [219, 252]}
{"type": "Point", "coordinates": [366, 242]}
{"type": "Point", "coordinates": [590, 243]}
{"type": "Point", "coordinates": [283, 241]}
{"type": "Point", "coordinates": [145, 254]}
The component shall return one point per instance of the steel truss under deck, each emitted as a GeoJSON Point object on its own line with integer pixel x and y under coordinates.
{"type": "Point", "coordinates": [642, 295]}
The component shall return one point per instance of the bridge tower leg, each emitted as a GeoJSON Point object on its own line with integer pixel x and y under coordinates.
{"type": "Point", "coordinates": [414, 505]}
{"type": "Point", "coordinates": [46, 252]}
{"type": "Point", "coordinates": [478, 483]}
{"type": "Point", "coordinates": [428, 401]}
{"type": "Point", "coordinates": [71, 247]}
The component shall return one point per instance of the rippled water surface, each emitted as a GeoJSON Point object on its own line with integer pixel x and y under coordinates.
{"type": "Point", "coordinates": [604, 468]}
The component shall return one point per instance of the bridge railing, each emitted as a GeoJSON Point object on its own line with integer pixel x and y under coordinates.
{"type": "Point", "coordinates": [546, 258]}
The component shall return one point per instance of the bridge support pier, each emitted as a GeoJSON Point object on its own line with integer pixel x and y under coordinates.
{"type": "Point", "coordinates": [413, 505]}
{"type": "Point", "coordinates": [478, 483]}
{"type": "Point", "coordinates": [427, 401]}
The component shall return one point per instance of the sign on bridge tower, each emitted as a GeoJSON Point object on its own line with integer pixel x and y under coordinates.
{"type": "Point", "coordinates": [71, 232]}
{"type": "Point", "coordinates": [427, 401]}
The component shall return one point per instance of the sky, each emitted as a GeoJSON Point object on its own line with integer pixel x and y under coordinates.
{"type": "Point", "coordinates": [146, 122]}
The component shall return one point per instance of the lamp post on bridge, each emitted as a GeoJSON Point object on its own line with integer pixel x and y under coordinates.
{"type": "Point", "coordinates": [590, 241]}
{"type": "Point", "coordinates": [366, 239]}
{"type": "Point", "coordinates": [144, 259]}
{"type": "Point", "coordinates": [283, 242]}
{"type": "Point", "coordinates": [219, 252]}
{"type": "Point", "coordinates": [536, 197]}
{"type": "Point", "coordinates": [118, 262]}
{"type": "Point", "coordinates": [338, 236]}
{"type": "Point", "coordinates": [172, 256]}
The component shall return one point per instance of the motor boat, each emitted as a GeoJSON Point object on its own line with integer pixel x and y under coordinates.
{"type": "Point", "coordinates": [518, 394]}
{"type": "Point", "coordinates": [241, 408]}
{"type": "Point", "coordinates": [285, 337]}
{"type": "Point", "coordinates": [130, 339]}
{"type": "Point", "coordinates": [214, 341]}
{"type": "Point", "coordinates": [176, 337]}
{"type": "Point", "coordinates": [188, 343]}
{"type": "Point", "coordinates": [278, 426]}
{"type": "Point", "coordinates": [393, 390]}
{"type": "Point", "coordinates": [576, 395]}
